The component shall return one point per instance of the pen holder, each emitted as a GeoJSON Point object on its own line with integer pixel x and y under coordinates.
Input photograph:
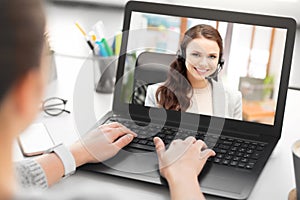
{"type": "Point", "coordinates": [105, 73]}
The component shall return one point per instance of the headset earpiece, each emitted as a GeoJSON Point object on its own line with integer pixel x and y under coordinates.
{"type": "Point", "coordinates": [221, 63]}
{"type": "Point", "coordinates": [181, 53]}
{"type": "Point", "coordinates": [178, 54]}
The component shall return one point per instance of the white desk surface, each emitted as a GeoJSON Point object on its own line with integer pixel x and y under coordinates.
{"type": "Point", "coordinates": [275, 181]}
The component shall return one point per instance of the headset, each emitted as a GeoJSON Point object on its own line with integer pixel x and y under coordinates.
{"type": "Point", "coordinates": [182, 55]}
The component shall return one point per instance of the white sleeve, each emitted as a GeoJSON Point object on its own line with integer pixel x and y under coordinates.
{"type": "Point", "coordinates": [150, 96]}
{"type": "Point", "coordinates": [238, 109]}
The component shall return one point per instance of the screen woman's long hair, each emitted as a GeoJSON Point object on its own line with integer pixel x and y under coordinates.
{"type": "Point", "coordinates": [176, 92]}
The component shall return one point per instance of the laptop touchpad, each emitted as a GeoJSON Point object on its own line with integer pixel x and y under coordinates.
{"type": "Point", "coordinates": [145, 163]}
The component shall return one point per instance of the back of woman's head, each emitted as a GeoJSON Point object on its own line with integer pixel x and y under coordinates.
{"type": "Point", "coordinates": [22, 25]}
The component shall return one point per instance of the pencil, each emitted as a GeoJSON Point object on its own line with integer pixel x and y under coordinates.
{"type": "Point", "coordinates": [85, 35]}
{"type": "Point", "coordinates": [80, 28]}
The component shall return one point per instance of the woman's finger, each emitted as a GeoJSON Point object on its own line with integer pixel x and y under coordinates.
{"type": "Point", "coordinates": [121, 126]}
{"type": "Point", "coordinates": [128, 130]}
{"type": "Point", "coordinates": [159, 146]}
{"type": "Point", "coordinates": [201, 145]}
{"type": "Point", "coordinates": [113, 124]}
{"type": "Point", "coordinates": [206, 154]}
{"type": "Point", "coordinates": [115, 133]}
{"type": "Point", "coordinates": [123, 141]}
{"type": "Point", "coordinates": [190, 140]}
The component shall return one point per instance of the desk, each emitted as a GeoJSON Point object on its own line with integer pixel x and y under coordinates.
{"type": "Point", "coordinates": [275, 181]}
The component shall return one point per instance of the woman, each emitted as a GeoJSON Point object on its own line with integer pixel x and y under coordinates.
{"type": "Point", "coordinates": [23, 76]}
{"type": "Point", "coordinates": [191, 84]}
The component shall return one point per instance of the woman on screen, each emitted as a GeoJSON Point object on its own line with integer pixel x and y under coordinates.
{"type": "Point", "coordinates": [192, 84]}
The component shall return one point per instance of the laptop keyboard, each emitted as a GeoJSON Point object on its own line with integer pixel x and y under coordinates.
{"type": "Point", "coordinates": [230, 151]}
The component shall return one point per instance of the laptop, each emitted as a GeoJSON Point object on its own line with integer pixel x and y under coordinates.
{"type": "Point", "coordinates": [255, 46]}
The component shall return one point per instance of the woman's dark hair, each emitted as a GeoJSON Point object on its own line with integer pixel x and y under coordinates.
{"type": "Point", "coordinates": [176, 92]}
{"type": "Point", "coordinates": [22, 25]}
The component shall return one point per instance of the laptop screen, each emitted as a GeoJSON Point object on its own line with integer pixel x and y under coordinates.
{"type": "Point", "coordinates": [203, 65]}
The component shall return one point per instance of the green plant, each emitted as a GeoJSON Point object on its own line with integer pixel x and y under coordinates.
{"type": "Point", "coordinates": [268, 86]}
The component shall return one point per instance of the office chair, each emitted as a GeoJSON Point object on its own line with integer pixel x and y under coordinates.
{"type": "Point", "coordinates": [150, 68]}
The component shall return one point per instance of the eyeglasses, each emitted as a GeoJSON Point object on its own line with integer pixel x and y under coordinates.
{"type": "Point", "coordinates": [55, 106]}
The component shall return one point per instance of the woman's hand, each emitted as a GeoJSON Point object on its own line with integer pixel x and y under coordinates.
{"type": "Point", "coordinates": [181, 164]}
{"type": "Point", "coordinates": [101, 143]}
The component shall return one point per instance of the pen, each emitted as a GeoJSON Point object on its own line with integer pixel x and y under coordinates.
{"type": "Point", "coordinates": [107, 47]}
{"type": "Point", "coordinates": [85, 35]}
{"type": "Point", "coordinates": [102, 49]}
{"type": "Point", "coordinates": [118, 38]}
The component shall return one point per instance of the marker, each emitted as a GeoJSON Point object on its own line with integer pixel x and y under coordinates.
{"type": "Point", "coordinates": [107, 47]}
{"type": "Point", "coordinates": [102, 49]}
{"type": "Point", "coordinates": [118, 43]}
{"type": "Point", "coordinates": [97, 48]}
{"type": "Point", "coordinates": [85, 36]}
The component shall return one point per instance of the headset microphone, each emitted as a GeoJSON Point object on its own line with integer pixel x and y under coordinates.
{"type": "Point", "coordinates": [216, 73]}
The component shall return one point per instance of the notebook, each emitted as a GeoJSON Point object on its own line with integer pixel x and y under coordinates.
{"type": "Point", "coordinates": [241, 129]}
